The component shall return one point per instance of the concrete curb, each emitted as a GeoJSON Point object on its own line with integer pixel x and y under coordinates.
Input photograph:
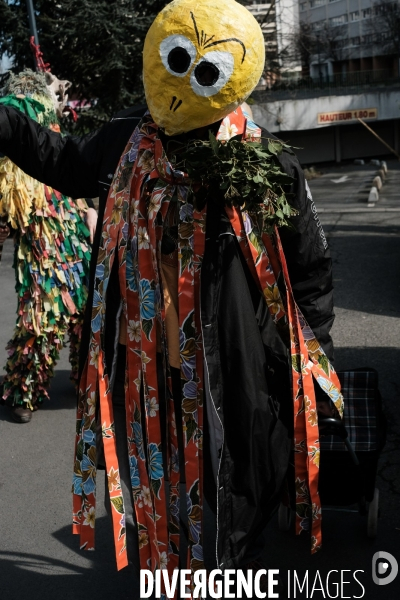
{"type": "Point", "coordinates": [377, 183]}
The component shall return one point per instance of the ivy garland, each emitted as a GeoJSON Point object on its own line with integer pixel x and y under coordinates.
{"type": "Point", "coordinates": [245, 175]}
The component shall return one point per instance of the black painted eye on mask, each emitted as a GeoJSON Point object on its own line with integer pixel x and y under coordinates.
{"type": "Point", "coordinates": [179, 60]}
{"type": "Point", "coordinates": [206, 74]}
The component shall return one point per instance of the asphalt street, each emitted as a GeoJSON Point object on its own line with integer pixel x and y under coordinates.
{"type": "Point", "coordinates": [39, 557]}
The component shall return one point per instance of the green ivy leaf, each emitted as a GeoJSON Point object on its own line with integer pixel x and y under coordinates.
{"type": "Point", "coordinates": [274, 147]}
{"type": "Point", "coordinates": [213, 143]}
{"type": "Point", "coordinates": [233, 173]}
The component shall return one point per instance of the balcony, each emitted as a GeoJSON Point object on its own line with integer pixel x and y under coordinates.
{"type": "Point", "coordinates": [328, 85]}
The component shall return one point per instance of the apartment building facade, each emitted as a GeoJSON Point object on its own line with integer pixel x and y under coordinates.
{"type": "Point", "coordinates": [278, 19]}
{"type": "Point", "coordinates": [363, 35]}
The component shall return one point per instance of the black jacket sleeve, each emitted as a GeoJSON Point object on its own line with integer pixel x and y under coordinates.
{"type": "Point", "coordinates": [308, 257]}
{"type": "Point", "coordinates": [68, 164]}
{"type": "Point", "coordinates": [89, 202]}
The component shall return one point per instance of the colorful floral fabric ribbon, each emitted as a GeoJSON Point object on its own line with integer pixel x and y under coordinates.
{"type": "Point", "coordinates": [132, 233]}
{"type": "Point", "coordinates": [144, 187]}
{"type": "Point", "coordinates": [266, 259]}
{"type": "Point", "coordinates": [308, 360]}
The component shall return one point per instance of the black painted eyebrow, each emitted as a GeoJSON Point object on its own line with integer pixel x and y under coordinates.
{"type": "Point", "coordinates": [229, 40]}
{"type": "Point", "coordinates": [208, 43]}
{"type": "Point", "coordinates": [195, 27]}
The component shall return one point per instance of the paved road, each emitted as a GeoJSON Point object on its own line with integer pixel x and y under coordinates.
{"type": "Point", "coordinates": [345, 188]}
{"type": "Point", "coordinates": [40, 559]}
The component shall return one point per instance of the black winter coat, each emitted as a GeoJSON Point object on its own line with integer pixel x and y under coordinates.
{"type": "Point", "coordinates": [247, 366]}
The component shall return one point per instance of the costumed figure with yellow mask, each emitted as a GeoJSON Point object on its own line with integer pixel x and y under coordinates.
{"type": "Point", "coordinates": [51, 260]}
{"type": "Point", "coordinates": [210, 284]}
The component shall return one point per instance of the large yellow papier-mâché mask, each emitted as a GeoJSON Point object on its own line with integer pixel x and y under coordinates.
{"type": "Point", "coordinates": [202, 59]}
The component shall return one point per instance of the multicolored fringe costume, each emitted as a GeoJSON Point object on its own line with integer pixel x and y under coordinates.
{"type": "Point", "coordinates": [51, 262]}
{"type": "Point", "coordinates": [144, 188]}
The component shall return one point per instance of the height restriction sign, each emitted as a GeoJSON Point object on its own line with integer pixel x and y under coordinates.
{"type": "Point", "coordinates": [346, 116]}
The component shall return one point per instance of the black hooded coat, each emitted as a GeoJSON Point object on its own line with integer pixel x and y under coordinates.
{"type": "Point", "coordinates": [249, 406]}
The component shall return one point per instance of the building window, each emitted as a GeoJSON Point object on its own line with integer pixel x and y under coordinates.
{"type": "Point", "coordinates": [303, 5]}
{"type": "Point", "coordinates": [338, 20]}
{"type": "Point", "coordinates": [367, 39]}
{"type": "Point", "coordinates": [355, 41]}
{"type": "Point", "coordinates": [317, 3]}
{"type": "Point", "coordinates": [366, 13]}
{"type": "Point", "coordinates": [355, 16]}
{"type": "Point", "coordinates": [382, 36]}
{"type": "Point", "coordinates": [342, 43]}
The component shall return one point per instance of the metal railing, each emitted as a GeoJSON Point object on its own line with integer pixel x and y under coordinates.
{"type": "Point", "coordinates": [339, 83]}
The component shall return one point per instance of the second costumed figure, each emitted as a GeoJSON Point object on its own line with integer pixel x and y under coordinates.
{"type": "Point", "coordinates": [51, 261]}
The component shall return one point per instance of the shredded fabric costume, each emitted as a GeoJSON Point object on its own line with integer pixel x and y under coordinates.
{"type": "Point", "coordinates": [145, 193]}
{"type": "Point", "coordinates": [51, 262]}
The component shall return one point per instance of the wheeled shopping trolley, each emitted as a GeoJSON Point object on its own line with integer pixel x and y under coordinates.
{"type": "Point", "coordinates": [350, 450]}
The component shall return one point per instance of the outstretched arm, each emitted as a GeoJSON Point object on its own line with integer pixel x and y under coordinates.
{"type": "Point", "coordinates": [68, 164]}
